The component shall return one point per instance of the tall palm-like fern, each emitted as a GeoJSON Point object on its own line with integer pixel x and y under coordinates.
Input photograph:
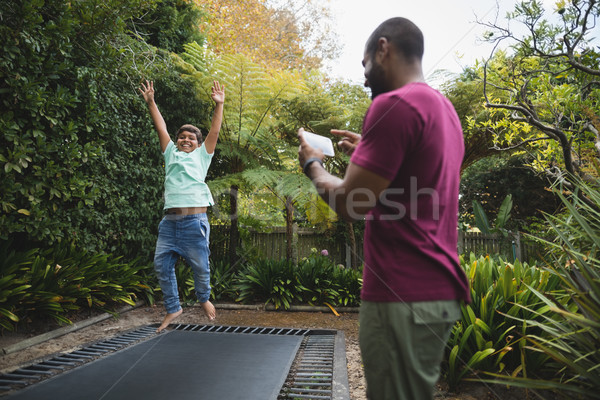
{"type": "Point", "coordinates": [255, 156]}
{"type": "Point", "coordinates": [324, 106]}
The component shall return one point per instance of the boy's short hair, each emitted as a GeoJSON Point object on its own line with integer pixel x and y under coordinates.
{"type": "Point", "coordinates": [191, 129]}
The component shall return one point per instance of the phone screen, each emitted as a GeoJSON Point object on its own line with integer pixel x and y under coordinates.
{"type": "Point", "coordinates": [320, 142]}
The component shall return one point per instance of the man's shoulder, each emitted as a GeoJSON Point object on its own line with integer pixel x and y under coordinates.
{"type": "Point", "coordinates": [406, 94]}
{"type": "Point", "coordinates": [416, 96]}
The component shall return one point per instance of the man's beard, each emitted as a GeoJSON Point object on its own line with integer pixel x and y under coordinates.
{"type": "Point", "coordinates": [376, 79]}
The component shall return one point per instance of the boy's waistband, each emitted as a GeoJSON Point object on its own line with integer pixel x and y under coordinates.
{"type": "Point", "coordinates": [186, 210]}
{"type": "Point", "coordinates": [181, 217]}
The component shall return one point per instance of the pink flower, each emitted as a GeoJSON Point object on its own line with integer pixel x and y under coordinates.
{"type": "Point", "coordinates": [324, 252]}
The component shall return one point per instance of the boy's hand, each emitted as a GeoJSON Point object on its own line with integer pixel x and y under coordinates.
{"type": "Point", "coordinates": [147, 90]}
{"type": "Point", "coordinates": [218, 93]}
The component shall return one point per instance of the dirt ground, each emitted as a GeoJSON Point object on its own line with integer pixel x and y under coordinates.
{"type": "Point", "coordinates": [145, 315]}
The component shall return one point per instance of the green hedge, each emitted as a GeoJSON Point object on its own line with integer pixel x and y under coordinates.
{"type": "Point", "coordinates": [79, 159]}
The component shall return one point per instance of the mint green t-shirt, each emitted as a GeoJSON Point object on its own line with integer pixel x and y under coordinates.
{"type": "Point", "coordinates": [184, 177]}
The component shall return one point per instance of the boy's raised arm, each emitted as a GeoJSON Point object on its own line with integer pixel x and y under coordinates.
{"type": "Point", "coordinates": [147, 90]}
{"type": "Point", "coordinates": [218, 96]}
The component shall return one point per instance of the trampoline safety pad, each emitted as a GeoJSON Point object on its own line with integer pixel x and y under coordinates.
{"type": "Point", "coordinates": [179, 365]}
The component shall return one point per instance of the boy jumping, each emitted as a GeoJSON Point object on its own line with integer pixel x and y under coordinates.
{"type": "Point", "coordinates": [184, 230]}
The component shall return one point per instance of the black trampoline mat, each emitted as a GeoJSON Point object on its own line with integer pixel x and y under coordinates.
{"type": "Point", "coordinates": [180, 365]}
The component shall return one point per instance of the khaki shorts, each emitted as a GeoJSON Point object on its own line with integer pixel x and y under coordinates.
{"type": "Point", "coordinates": [402, 345]}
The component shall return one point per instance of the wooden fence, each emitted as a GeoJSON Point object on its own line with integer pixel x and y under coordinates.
{"type": "Point", "coordinates": [273, 245]}
{"type": "Point", "coordinates": [511, 248]}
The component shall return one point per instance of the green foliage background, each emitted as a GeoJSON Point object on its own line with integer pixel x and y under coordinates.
{"type": "Point", "coordinates": [81, 162]}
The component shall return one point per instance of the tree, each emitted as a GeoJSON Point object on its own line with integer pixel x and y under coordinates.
{"type": "Point", "coordinates": [466, 94]}
{"type": "Point", "coordinates": [490, 180]}
{"type": "Point", "coordinates": [313, 21]}
{"type": "Point", "coordinates": [550, 83]}
{"type": "Point", "coordinates": [274, 34]}
{"type": "Point", "coordinates": [325, 106]}
{"type": "Point", "coordinates": [169, 24]}
{"type": "Point", "coordinates": [252, 156]}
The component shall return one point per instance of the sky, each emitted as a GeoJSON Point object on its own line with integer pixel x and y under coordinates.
{"type": "Point", "coordinates": [452, 37]}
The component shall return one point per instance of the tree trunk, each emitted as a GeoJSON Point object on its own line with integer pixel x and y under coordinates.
{"type": "Point", "coordinates": [352, 240]}
{"type": "Point", "coordinates": [289, 231]}
{"type": "Point", "coordinates": [234, 233]}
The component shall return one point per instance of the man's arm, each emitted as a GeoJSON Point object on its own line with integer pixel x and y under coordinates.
{"type": "Point", "coordinates": [351, 197]}
{"type": "Point", "coordinates": [147, 91]}
{"type": "Point", "coordinates": [218, 96]}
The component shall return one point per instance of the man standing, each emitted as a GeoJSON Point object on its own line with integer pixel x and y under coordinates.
{"type": "Point", "coordinates": [403, 179]}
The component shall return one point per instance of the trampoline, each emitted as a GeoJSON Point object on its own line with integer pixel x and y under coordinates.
{"type": "Point", "coordinates": [192, 362]}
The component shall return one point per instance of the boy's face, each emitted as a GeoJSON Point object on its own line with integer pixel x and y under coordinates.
{"type": "Point", "coordinates": [187, 141]}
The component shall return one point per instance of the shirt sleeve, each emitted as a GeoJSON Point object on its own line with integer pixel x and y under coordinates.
{"type": "Point", "coordinates": [205, 158]}
{"type": "Point", "coordinates": [169, 149]}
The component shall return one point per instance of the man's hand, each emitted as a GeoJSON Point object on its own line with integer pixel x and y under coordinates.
{"type": "Point", "coordinates": [218, 93]}
{"type": "Point", "coordinates": [147, 90]}
{"type": "Point", "coordinates": [306, 151]}
{"type": "Point", "coordinates": [348, 142]}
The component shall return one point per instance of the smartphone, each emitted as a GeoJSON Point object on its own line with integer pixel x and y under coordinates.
{"type": "Point", "coordinates": [320, 142]}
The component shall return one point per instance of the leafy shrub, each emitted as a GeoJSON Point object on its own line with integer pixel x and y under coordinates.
{"type": "Point", "coordinates": [41, 284]}
{"type": "Point", "coordinates": [326, 282]}
{"type": "Point", "coordinates": [271, 281]}
{"type": "Point", "coordinates": [316, 280]}
{"type": "Point", "coordinates": [13, 286]}
{"type": "Point", "coordinates": [221, 281]}
{"type": "Point", "coordinates": [566, 326]}
{"type": "Point", "coordinates": [349, 284]}
{"type": "Point", "coordinates": [489, 335]}
{"type": "Point", "coordinates": [50, 283]}
{"type": "Point", "coordinates": [315, 274]}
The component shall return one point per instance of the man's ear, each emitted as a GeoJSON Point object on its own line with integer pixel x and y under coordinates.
{"type": "Point", "coordinates": [383, 47]}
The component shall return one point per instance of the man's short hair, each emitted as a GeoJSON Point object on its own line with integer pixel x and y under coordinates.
{"type": "Point", "coordinates": [403, 34]}
{"type": "Point", "coordinates": [191, 129]}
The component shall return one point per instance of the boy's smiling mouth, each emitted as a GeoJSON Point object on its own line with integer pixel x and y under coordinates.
{"type": "Point", "coordinates": [186, 146]}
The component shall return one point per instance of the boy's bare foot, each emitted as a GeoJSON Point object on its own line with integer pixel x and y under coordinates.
{"type": "Point", "coordinates": [209, 310]}
{"type": "Point", "coordinates": [168, 319]}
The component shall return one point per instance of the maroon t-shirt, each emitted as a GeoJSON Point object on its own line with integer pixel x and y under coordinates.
{"type": "Point", "coordinates": [412, 137]}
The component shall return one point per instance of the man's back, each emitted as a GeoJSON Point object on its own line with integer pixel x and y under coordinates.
{"type": "Point", "coordinates": [412, 136]}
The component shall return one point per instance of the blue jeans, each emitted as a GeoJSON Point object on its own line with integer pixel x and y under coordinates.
{"type": "Point", "coordinates": [185, 236]}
